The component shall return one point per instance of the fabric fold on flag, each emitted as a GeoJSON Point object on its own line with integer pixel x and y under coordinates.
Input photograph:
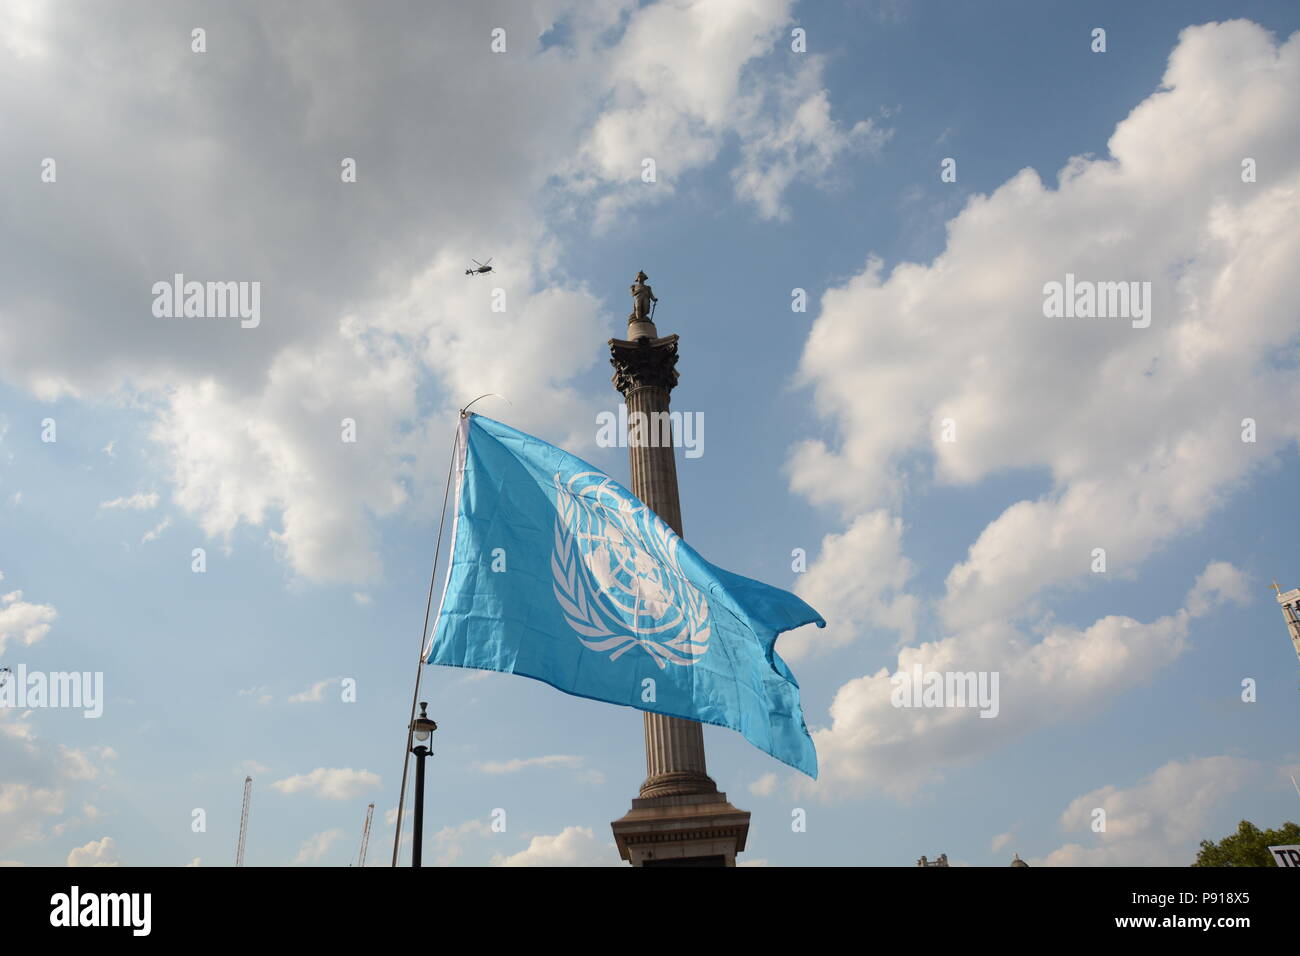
{"type": "Point", "coordinates": [561, 574]}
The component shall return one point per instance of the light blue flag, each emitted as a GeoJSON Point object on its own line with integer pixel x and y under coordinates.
{"type": "Point", "coordinates": [559, 573]}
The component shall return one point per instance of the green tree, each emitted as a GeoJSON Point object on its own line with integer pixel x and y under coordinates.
{"type": "Point", "coordinates": [1248, 846]}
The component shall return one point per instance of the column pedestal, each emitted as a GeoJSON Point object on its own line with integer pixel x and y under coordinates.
{"type": "Point", "coordinates": [696, 829]}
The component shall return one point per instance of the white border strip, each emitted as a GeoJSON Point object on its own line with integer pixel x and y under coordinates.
{"type": "Point", "coordinates": [461, 450]}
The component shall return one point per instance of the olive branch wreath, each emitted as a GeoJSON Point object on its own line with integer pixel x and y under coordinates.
{"type": "Point", "coordinates": [584, 615]}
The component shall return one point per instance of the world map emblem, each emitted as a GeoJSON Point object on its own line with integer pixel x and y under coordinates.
{"type": "Point", "coordinates": [617, 578]}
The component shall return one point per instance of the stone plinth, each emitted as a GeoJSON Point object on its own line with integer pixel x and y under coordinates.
{"type": "Point", "coordinates": [700, 829]}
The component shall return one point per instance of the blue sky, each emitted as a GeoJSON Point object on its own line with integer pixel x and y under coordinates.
{"type": "Point", "coordinates": [776, 171]}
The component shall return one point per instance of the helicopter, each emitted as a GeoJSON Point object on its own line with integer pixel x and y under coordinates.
{"type": "Point", "coordinates": [483, 267]}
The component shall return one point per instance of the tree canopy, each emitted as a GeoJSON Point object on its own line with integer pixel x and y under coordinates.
{"type": "Point", "coordinates": [1248, 846]}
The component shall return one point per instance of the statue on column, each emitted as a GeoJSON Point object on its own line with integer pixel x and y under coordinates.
{"type": "Point", "coordinates": [642, 297]}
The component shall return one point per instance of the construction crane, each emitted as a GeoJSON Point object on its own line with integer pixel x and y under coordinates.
{"type": "Point", "coordinates": [243, 821]}
{"type": "Point", "coordinates": [365, 836]}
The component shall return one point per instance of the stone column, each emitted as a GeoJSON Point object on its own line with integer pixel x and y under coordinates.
{"type": "Point", "coordinates": [645, 373]}
{"type": "Point", "coordinates": [680, 818]}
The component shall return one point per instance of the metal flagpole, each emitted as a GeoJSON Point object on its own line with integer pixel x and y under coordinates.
{"type": "Point", "coordinates": [424, 632]}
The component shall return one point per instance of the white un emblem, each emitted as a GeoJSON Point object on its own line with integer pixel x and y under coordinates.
{"type": "Point", "coordinates": [617, 578]}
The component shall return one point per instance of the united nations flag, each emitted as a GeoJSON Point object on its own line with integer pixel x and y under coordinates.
{"type": "Point", "coordinates": [560, 574]}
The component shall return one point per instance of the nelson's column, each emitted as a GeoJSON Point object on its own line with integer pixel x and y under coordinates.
{"type": "Point", "coordinates": [679, 818]}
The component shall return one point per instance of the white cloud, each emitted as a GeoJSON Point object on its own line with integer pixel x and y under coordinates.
{"type": "Point", "coordinates": [330, 783]}
{"type": "Point", "coordinates": [1129, 427]}
{"type": "Point", "coordinates": [801, 142]}
{"type": "Point", "coordinates": [573, 846]}
{"type": "Point", "coordinates": [1159, 822]}
{"type": "Point", "coordinates": [765, 785]}
{"type": "Point", "coordinates": [1068, 674]}
{"type": "Point", "coordinates": [1219, 582]}
{"type": "Point", "coordinates": [23, 622]}
{"type": "Point", "coordinates": [261, 692]}
{"type": "Point", "coordinates": [95, 853]}
{"type": "Point", "coordinates": [153, 533]}
{"type": "Point", "coordinates": [687, 77]}
{"type": "Point", "coordinates": [451, 842]}
{"type": "Point", "coordinates": [22, 806]}
{"type": "Point", "coordinates": [314, 848]}
{"type": "Point", "coordinates": [523, 763]}
{"type": "Point", "coordinates": [375, 322]}
{"type": "Point", "coordinates": [1130, 424]}
{"type": "Point", "coordinates": [313, 694]}
{"type": "Point", "coordinates": [568, 761]}
{"type": "Point", "coordinates": [77, 764]}
{"type": "Point", "coordinates": [139, 501]}
{"type": "Point", "coordinates": [856, 582]}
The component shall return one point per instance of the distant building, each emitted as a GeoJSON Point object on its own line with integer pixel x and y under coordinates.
{"type": "Point", "coordinates": [942, 860]}
{"type": "Point", "coordinates": [1290, 601]}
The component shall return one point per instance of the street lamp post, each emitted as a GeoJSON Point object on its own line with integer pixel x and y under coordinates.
{"type": "Point", "coordinates": [421, 728]}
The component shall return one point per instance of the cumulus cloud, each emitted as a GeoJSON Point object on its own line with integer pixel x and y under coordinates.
{"type": "Point", "coordinates": [1219, 582]}
{"type": "Point", "coordinates": [367, 316]}
{"type": "Point", "coordinates": [330, 783]}
{"type": "Point", "coordinates": [688, 77]}
{"type": "Point", "coordinates": [1158, 822]}
{"type": "Point", "coordinates": [573, 846]}
{"type": "Point", "coordinates": [1128, 425]}
{"type": "Point", "coordinates": [1067, 674]}
{"type": "Point", "coordinates": [77, 764]}
{"type": "Point", "coordinates": [39, 783]}
{"type": "Point", "coordinates": [23, 622]}
{"type": "Point", "coordinates": [24, 808]}
{"type": "Point", "coordinates": [449, 844]}
{"type": "Point", "coordinates": [856, 582]}
{"type": "Point", "coordinates": [950, 373]}
{"type": "Point", "coordinates": [95, 853]}
{"type": "Point", "coordinates": [314, 848]}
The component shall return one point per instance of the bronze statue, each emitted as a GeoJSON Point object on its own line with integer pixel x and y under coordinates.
{"type": "Point", "coordinates": [642, 296]}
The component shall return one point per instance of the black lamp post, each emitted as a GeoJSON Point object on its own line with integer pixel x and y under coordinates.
{"type": "Point", "coordinates": [421, 729]}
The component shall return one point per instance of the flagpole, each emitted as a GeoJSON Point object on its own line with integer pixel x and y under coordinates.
{"type": "Point", "coordinates": [424, 631]}
{"type": "Point", "coordinates": [428, 608]}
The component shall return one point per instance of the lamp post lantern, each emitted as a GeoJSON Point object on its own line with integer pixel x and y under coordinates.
{"type": "Point", "coordinates": [422, 729]}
